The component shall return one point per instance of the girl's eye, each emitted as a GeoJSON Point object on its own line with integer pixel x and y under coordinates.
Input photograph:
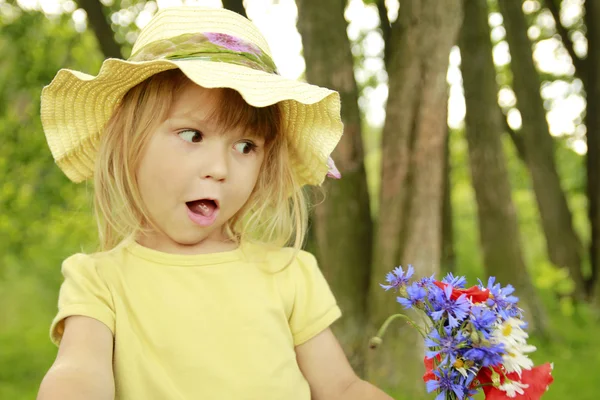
{"type": "Point", "coordinates": [191, 135]}
{"type": "Point", "coordinates": [245, 147]}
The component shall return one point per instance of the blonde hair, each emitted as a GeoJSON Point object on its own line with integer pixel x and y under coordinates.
{"type": "Point", "coordinates": [276, 212]}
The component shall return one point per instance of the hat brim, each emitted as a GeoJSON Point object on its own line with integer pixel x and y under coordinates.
{"type": "Point", "coordinates": [76, 106]}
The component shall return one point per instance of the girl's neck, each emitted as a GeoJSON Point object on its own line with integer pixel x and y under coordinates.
{"type": "Point", "coordinates": [167, 245]}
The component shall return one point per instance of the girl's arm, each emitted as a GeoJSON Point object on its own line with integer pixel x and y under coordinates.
{"type": "Point", "coordinates": [83, 366]}
{"type": "Point", "coordinates": [329, 373]}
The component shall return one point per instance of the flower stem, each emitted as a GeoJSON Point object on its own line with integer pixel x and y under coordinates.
{"type": "Point", "coordinates": [377, 339]}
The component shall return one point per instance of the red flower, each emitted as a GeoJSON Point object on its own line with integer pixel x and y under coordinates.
{"type": "Point", "coordinates": [429, 367]}
{"type": "Point", "coordinates": [474, 293]}
{"type": "Point", "coordinates": [538, 379]}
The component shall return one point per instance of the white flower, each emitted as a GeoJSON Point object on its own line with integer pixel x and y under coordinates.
{"type": "Point", "coordinates": [511, 331]}
{"type": "Point", "coordinates": [516, 360]}
{"type": "Point", "coordinates": [512, 388]}
{"type": "Point", "coordinates": [511, 334]}
{"type": "Point", "coordinates": [464, 367]}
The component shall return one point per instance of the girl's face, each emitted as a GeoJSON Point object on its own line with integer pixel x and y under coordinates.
{"type": "Point", "coordinates": [194, 177]}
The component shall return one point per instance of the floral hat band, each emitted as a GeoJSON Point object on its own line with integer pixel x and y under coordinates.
{"type": "Point", "coordinates": [208, 46]}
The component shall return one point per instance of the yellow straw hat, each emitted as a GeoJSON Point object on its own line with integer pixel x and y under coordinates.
{"type": "Point", "coordinates": [213, 47]}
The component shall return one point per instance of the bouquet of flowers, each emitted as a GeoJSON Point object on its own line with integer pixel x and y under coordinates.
{"type": "Point", "coordinates": [475, 338]}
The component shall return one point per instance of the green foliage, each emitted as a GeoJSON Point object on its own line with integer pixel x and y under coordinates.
{"type": "Point", "coordinates": [123, 15]}
{"type": "Point", "coordinates": [44, 216]}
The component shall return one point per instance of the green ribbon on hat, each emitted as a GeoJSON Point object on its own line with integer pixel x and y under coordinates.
{"type": "Point", "coordinates": [217, 47]}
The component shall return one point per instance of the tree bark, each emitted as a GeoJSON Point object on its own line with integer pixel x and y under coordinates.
{"type": "Point", "coordinates": [592, 14]}
{"type": "Point", "coordinates": [448, 259]}
{"type": "Point", "coordinates": [563, 245]}
{"type": "Point", "coordinates": [516, 138]}
{"type": "Point", "coordinates": [385, 26]}
{"type": "Point", "coordinates": [342, 223]}
{"type": "Point", "coordinates": [104, 34]}
{"type": "Point", "coordinates": [235, 5]}
{"type": "Point", "coordinates": [411, 195]}
{"type": "Point", "coordinates": [498, 223]}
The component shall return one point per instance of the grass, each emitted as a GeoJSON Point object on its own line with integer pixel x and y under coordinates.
{"type": "Point", "coordinates": [575, 352]}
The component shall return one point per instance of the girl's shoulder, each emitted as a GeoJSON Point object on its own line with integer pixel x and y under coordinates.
{"type": "Point", "coordinates": [280, 260]}
{"type": "Point", "coordinates": [99, 261]}
{"type": "Point", "coordinates": [305, 295]}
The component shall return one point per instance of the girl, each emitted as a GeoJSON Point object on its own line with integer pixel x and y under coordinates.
{"type": "Point", "coordinates": [199, 151]}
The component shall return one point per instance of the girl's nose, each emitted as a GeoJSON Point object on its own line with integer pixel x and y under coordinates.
{"type": "Point", "coordinates": [215, 165]}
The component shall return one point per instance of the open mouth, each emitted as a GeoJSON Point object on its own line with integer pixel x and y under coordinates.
{"type": "Point", "coordinates": [203, 212]}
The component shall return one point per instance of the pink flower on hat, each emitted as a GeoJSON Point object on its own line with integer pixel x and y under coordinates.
{"type": "Point", "coordinates": [333, 171]}
{"type": "Point", "coordinates": [232, 43]}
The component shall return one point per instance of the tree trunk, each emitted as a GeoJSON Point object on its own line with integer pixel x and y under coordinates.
{"type": "Point", "coordinates": [104, 34]}
{"type": "Point", "coordinates": [385, 26]}
{"type": "Point", "coordinates": [563, 245]}
{"type": "Point", "coordinates": [515, 137]}
{"type": "Point", "coordinates": [498, 223]}
{"type": "Point", "coordinates": [448, 258]}
{"type": "Point", "coordinates": [592, 14]}
{"type": "Point", "coordinates": [342, 223]}
{"type": "Point", "coordinates": [235, 5]}
{"type": "Point", "coordinates": [411, 194]}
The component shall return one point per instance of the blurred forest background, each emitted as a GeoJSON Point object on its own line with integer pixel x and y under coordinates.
{"type": "Point", "coordinates": [503, 181]}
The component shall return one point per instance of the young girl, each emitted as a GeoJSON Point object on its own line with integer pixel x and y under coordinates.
{"type": "Point", "coordinates": [199, 151]}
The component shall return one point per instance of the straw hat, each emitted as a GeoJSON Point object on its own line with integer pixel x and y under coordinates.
{"type": "Point", "coordinates": [213, 47]}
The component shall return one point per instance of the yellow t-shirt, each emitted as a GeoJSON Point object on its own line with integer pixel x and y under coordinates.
{"type": "Point", "coordinates": [211, 326]}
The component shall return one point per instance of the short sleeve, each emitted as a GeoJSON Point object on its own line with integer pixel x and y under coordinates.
{"type": "Point", "coordinates": [83, 292]}
{"type": "Point", "coordinates": [314, 307]}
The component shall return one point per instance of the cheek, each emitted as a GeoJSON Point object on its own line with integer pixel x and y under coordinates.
{"type": "Point", "coordinates": [255, 171]}
{"type": "Point", "coordinates": [147, 186]}
{"type": "Point", "coordinates": [246, 180]}
{"type": "Point", "coordinates": [156, 174]}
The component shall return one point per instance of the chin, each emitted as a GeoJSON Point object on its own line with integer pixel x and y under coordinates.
{"type": "Point", "coordinates": [195, 235]}
{"type": "Point", "coordinates": [189, 239]}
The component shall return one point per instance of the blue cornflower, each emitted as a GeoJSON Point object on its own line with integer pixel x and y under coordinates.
{"type": "Point", "coordinates": [415, 295]}
{"type": "Point", "coordinates": [469, 393]}
{"type": "Point", "coordinates": [447, 381]}
{"type": "Point", "coordinates": [446, 344]}
{"type": "Point", "coordinates": [483, 320]}
{"type": "Point", "coordinates": [398, 278]}
{"type": "Point", "coordinates": [502, 299]}
{"type": "Point", "coordinates": [443, 305]}
{"type": "Point", "coordinates": [426, 282]}
{"type": "Point", "coordinates": [486, 356]}
{"type": "Point", "coordinates": [455, 281]}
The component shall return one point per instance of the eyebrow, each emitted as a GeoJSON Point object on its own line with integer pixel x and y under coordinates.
{"type": "Point", "coordinates": [201, 123]}
{"type": "Point", "coordinates": [212, 126]}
